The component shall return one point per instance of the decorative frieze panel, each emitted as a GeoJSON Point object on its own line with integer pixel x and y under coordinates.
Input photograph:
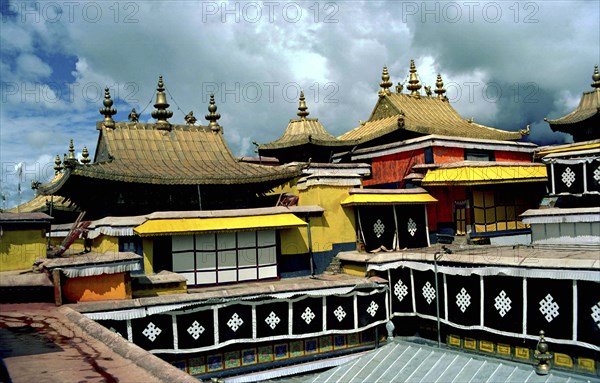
{"type": "Point", "coordinates": [580, 176]}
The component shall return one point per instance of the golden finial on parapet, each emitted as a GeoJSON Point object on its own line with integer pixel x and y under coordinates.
{"type": "Point", "coordinates": [439, 87]}
{"type": "Point", "coordinates": [57, 165]}
{"type": "Point", "coordinates": [161, 113]}
{"type": "Point", "coordinates": [399, 87]}
{"type": "Point", "coordinates": [596, 78]}
{"type": "Point", "coordinates": [71, 150]}
{"type": "Point", "coordinates": [133, 116]}
{"type": "Point", "coordinates": [385, 83]}
{"type": "Point", "coordinates": [542, 354]}
{"type": "Point", "coordinates": [413, 80]}
{"type": "Point", "coordinates": [190, 119]}
{"type": "Point", "coordinates": [86, 156]}
{"type": "Point", "coordinates": [108, 111]}
{"type": "Point", "coordinates": [302, 108]}
{"type": "Point", "coordinates": [212, 115]}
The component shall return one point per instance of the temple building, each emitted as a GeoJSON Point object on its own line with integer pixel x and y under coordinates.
{"type": "Point", "coordinates": [305, 139]}
{"type": "Point", "coordinates": [582, 123]}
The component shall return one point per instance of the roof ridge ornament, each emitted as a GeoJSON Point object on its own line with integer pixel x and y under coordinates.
{"type": "Point", "coordinates": [413, 81]}
{"type": "Point", "coordinates": [71, 161]}
{"type": "Point", "coordinates": [385, 83]}
{"type": "Point", "coordinates": [133, 116]}
{"type": "Point", "coordinates": [302, 108]}
{"type": "Point", "coordinates": [190, 119]}
{"type": "Point", "coordinates": [108, 111]}
{"type": "Point", "coordinates": [86, 156]}
{"type": "Point", "coordinates": [212, 115]}
{"type": "Point", "coordinates": [439, 88]}
{"type": "Point", "coordinates": [596, 78]}
{"type": "Point", "coordinates": [57, 165]}
{"type": "Point", "coordinates": [161, 113]}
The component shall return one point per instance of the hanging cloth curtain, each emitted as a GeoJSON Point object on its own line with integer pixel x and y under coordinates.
{"type": "Point", "coordinates": [378, 227]}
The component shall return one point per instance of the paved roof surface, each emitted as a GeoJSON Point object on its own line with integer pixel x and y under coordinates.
{"type": "Point", "coordinates": [402, 361]}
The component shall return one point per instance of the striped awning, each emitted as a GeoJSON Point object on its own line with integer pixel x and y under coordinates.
{"type": "Point", "coordinates": [387, 199]}
{"type": "Point", "coordinates": [177, 226]}
{"type": "Point", "coordinates": [482, 175]}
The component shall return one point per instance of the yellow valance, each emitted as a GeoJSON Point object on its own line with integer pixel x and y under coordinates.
{"type": "Point", "coordinates": [482, 175]}
{"type": "Point", "coordinates": [387, 199]}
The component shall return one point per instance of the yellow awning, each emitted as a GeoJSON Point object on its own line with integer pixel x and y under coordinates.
{"type": "Point", "coordinates": [203, 225]}
{"type": "Point", "coordinates": [387, 199]}
{"type": "Point", "coordinates": [482, 175]}
{"type": "Point", "coordinates": [570, 148]}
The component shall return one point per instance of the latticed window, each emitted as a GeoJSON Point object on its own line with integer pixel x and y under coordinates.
{"type": "Point", "coordinates": [495, 210]}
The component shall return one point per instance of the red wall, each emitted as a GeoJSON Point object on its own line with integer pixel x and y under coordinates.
{"type": "Point", "coordinates": [443, 210]}
{"type": "Point", "coordinates": [444, 155]}
{"type": "Point", "coordinates": [503, 156]}
{"type": "Point", "coordinates": [393, 167]}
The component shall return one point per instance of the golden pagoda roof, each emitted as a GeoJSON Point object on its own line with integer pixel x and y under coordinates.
{"type": "Point", "coordinates": [40, 203]}
{"type": "Point", "coordinates": [589, 106]}
{"type": "Point", "coordinates": [421, 114]}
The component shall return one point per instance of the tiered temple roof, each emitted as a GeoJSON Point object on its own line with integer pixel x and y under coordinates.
{"type": "Point", "coordinates": [418, 115]}
{"type": "Point", "coordinates": [583, 122]}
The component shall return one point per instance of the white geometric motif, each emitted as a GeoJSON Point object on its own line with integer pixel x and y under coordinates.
{"type": "Point", "coordinates": [400, 290]}
{"type": "Point", "coordinates": [502, 303]}
{"type": "Point", "coordinates": [596, 313]}
{"type": "Point", "coordinates": [195, 330]}
{"type": "Point", "coordinates": [372, 309]}
{"type": "Point", "coordinates": [428, 292]}
{"type": "Point", "coordinates": [412, 227]}
{"type": "Point", "coordinates": [568, 177]}
{"type": "Point", "coordinates": [151, 331]}
{"type": "Point", "coordinates": [339, 313]}
{"type": "Point", "coordinates": [597, 174]}
{"type": "Point", "coordinates": [549, 308]}
{"type": "Point", "coordinates": [463, 300]}
{"type": "Point", "coordinates": [272, 320]}
{"type": "Point", "coordinates": [308, 315]}
{"type": "Point", "coordinates": [235, 322]}
{"type": "Point", "coordinates": [378, 228]}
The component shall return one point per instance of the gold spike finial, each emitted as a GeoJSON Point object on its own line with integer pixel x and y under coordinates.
{"type": "Point", "coordinates": [161, 113]}
{"type": "Point", "coordinates": [385, 83]}
{"type": "Point", "coordinates": [133, 116]}
{"type": "Point", "coordinates": [71, 150]}
{"type": "Point", "coordinates": [212, 115]}
{"type": "Point", "coordinates": [108, 111]}
{"type": "Point", "coordinates": [439, 87]}
{"type": "Point", "coordinates": [413, 81]}
{"type": "Point", "coordinates": [302, 108]}
{"type": "Point", "coordinates": [86, 156]}
{"type": "Point", "coordinates": [57, 165]}
{"type": "Point", "coordinates": [596, 78]}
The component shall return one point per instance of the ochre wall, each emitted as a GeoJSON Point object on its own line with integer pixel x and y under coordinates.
{"type": "Point", "coordinates": [20, 248]}
{"type": "Point", "coordinates": [97, 288]}
{"type": "Point", "coordinates": [337, 225]}
{"type": "Point", "coordinates": [103, 243]}
{"type": "Point", "coordinates": [148, 249]}
{"type": "Point", "coordinates": [393, 167]}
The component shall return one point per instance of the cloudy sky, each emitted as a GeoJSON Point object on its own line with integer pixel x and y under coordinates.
{"type": "Point", "coordinates": [505, 63]}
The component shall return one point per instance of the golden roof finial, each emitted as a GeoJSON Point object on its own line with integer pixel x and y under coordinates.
{"type": "Point", "coordinates": [108, 111]}
{"type": "Point", "coordinates": [190, 119]}
{"type": "Point", "coordinates": [596, 78]}
{"type": "Point", "coordinates": [133, 116]}
{"type": "Point", "coordinates": [413, 81]}
{"type": "Point", "coordinates": [439, 87]}
{"type": "Point", "coordinates": [57, 165]}
{"type": "Point", "coordinates": [86, 156]}
{"type": "Point", "coordinates": [212, 115]}
{"type": "Point", "coordinates": [71, 150]}
{"type": "Point", "coordinates": [161, 113]}
{"type": "Point", "coordinates": [385, 83]}
{"type": "Point", "coordinates": [302, 108]}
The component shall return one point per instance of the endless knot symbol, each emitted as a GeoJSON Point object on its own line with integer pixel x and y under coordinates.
{"type": "Point", "coordinates": [549, 308]}
{"type": "Point", "coordinates": [151, 331]}
{"type": "Point", "coordinates": [378, 228]}
{"type": "Point", "coordinates": [502, 303]}
{"type": "Point", "coordinates": [568, 177]}
{"type": "Point", "coordinates": [195, 330]}
{"type": "Point", "coordinates": [412, 227]}
{"type": "Point", "coordinates": [372, 309]}
{"type": "Point", "coordinates": [596, 313]}
{"type": "Point", "coordinates": [339, 313]}
{"type": "Point", "coordinates": [400, 290]}
{"type": "Point", "coordinates": [235, 322]}
{"type": "Point", "coordinates": [272, 320]}
{"type": "Point", "coordinates": [463, 300]}
{"type": "Point", "coordinates": [428, 292]}
{"type": "Point", "coordinates": [308, 315]}
{"type": "Point", "coordinates": [597, 174]}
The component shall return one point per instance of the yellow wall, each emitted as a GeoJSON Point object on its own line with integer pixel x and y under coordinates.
{"type": "Point", "coordinates": [77, 245]}
{"type": "Point", "coordinates": [97, 288]}
{"type": "Point", "coordinates": [104, 243]}
{"type": "Point", "coordinates": [148, 248]}
{"type": "Point", "coordinates": [358, 269]}
{"type": "Point", "coordinates": [20, 248]}
{"type": "Point", "coordinates": [337, 225]}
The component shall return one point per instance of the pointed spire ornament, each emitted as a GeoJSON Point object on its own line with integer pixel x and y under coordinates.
{"type": "Point", "coordinates": [86, 156]}
{"type": "Point", "coordinates": [57, 165]}
{"type": "Point", "coordinates": [133, 116]}
{"type": "Point", "coordinates": [439, 87]}
{"type": "Point", "coordinates": [596, 78]}
{"type": "Point", "coordinates": [212, 115]}
{"type": "Point", "coordinates": [161, 113]}
{"type": "Point", "coordinates": [71, 150]}
{"type": "Point", "coordinates": [543, 355]}
{"type": "Point", "coordinates": [302, 108]}
{"type": "Point", "coordinates": [413, 81]}
{"type": "Point", "coordinates": [385, 83]}
{"type": "Point", "coordinates": [108, 111]}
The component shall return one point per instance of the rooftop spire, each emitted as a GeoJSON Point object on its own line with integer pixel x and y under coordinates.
{"type": "Point", "coordinates": [439, 87]}
{"type": "Point", "coordinates": [86, 156]}
{"type": "Point", "coordinates": [413, 81]}
{"type": "Point", "coordinates": [385, 83]}
{"type": "Point", "coordinates": [133, 116]}
{"type": "Point", "coordinates": [108, 111]}
{"type": "Point", "coordinates": [596, 78]}
{"type": "Point", "coordinates": [57, 165]}
{"type": "Point", "coordinates": [302, 108]}
{"type": "Point", "coordinates": [161, 113]}
{"type": "Point", "coordinates": [212, 115]}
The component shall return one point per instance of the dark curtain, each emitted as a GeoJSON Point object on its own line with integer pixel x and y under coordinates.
{"type": "Point", "coordinates": [378, 226]}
